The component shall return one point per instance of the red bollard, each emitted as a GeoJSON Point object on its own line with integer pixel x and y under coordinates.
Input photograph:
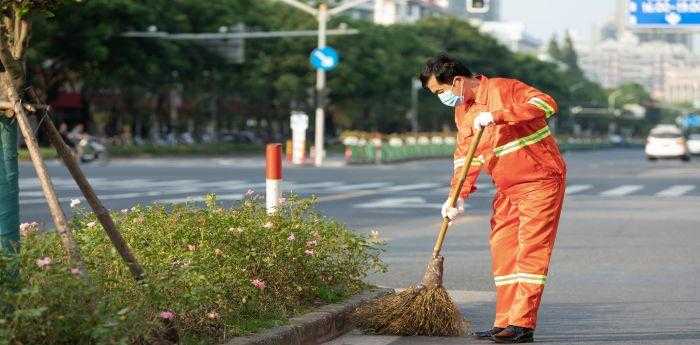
{"type": "Point", "coordinates": [273, 176]}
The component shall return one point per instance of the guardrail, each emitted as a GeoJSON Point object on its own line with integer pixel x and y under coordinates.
{"type": "Point", "coordinates": [364, 148]}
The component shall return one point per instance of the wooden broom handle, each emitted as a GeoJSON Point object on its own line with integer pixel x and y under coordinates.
{"type": "Point", "coordinates": [454, 194]}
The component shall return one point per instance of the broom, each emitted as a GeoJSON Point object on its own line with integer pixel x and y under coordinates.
{"type": "Point", "coordinates": [424, 309]}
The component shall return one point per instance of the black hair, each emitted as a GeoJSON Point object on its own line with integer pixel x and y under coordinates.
{"type": "Point", "coordinates": [444, 68]}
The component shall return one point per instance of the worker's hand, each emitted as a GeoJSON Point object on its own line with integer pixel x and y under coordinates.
{"type": "Point", "coordinates": [452, 212]}
{"type": "Point", "coordinates": [482, 120]}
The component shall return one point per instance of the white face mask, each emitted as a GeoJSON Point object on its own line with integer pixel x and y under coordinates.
{"type": "Point", "coordinates": [448, 97]}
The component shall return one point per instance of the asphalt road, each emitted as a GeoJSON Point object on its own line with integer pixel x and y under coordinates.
{"type": "Point", "coordinates": [626, 265]}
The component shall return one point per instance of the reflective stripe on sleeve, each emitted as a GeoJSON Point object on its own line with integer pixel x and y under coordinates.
{"type": "Point", "coordinates": [522, 142]}
{"type": "Point", "coordinates": [544, 106]}
{"type": "Point", "coordinates": [476, 162]}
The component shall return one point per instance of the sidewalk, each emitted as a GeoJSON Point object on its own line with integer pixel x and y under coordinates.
{"type": "Point", "coordinates": [476, 306]}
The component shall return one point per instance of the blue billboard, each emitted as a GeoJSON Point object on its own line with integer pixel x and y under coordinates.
{"type": "Point", "coordinates": [663, 13]}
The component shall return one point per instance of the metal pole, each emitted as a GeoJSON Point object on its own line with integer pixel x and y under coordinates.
{"type": "Point", "coordinates": [415, 86]}
{"type": "Point", "coordinates": [320, 87]}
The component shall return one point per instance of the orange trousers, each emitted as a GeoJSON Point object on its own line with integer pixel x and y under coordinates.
{"type": "Point", "coordinates": [523, 230]}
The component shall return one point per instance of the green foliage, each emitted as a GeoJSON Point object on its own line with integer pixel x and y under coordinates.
{"type": "Point", "coordinates": [221, 272]}
{"type": "Point", "coordinates": [370, 89]}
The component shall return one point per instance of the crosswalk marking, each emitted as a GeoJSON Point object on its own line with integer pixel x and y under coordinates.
{"type": "Point", "coordinates": [359, 186]}
{"type": "Point", "coordinates": [408, 187]}
{"type": "Point", "coordinates": [408, 202]}
{"type": "Point", "coordinates": [219, 197]}
{"type": "Point", "coordinates": [577, 188]}
{"type": "Point", "coordinates": [675, 191]}
{"type": "Point", "coordinates": [307, 186]}
{"type": "Point", "coordinates": [622, 190]}
{"type": "Point", "coordinates": [182, 190]}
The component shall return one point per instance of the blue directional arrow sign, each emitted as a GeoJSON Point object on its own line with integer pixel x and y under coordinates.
{"type": "Point", "coordinates": [691, 121]}
{"type": "Point", "coordinates": [325, 58]}
{"type": "Point", "coordinates": [663, 13]}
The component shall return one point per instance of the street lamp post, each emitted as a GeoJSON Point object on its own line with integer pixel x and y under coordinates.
{"type": "Point", "coordinates": [413, 113]}
{"type": "Point", "coordinates": [320, 88]}
{"type": "Point", "coordinates": [322, 14]}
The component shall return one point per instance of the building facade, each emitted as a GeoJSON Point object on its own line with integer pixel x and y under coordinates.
{"type": "Point", "coordinates": [661, 60]}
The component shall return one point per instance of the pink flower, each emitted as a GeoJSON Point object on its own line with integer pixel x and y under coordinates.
{"type": "Point", "coordinates": [167, 315]}
{"type": "Point", "coordinates": [268, 225]}
{"type": "Point", "coordinates": [213, 315]}
{"type": "Point", "coordinates": [25, 229]}
{"type": "Point", "coordinates": [249, 192]}
{"type": "Point", "coordinates": [75, 271]}
{"type": "Point", "coordinates": [309, 252]}
{"type": "Point", "coordinates": [43, 262]}
{"type": "Point", "coordinates": [291, 237]}
{"type": "Point", "coordinates": [260, 284]}
{"type": "Point", "coordinates": [311, 243]}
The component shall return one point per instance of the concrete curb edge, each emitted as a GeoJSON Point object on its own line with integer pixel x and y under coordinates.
{"type": "Point", "coordinates": [315, 327]}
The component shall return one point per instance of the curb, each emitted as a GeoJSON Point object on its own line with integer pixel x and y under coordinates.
{"type": "Point", "coordinates": [318, 326]}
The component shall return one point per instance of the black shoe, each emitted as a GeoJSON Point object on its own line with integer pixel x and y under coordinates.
{"type": "Point", "coordinates": [514, 335]}
{"type": "Point", "coordinates": [487, 334]}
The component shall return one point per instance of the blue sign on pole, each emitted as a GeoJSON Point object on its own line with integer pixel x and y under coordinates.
{"type": "Point", "coordinates": [325, 58]}
{"type": "Point", "coordinates": [691, 121]}
{"type": "Point", "coordinates": [663, 13]}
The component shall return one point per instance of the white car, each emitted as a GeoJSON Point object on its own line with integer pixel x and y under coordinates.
{"type": "Point", "coordinates": [694, 144]}
{"type": "Point", "coordinates": [666, 141]}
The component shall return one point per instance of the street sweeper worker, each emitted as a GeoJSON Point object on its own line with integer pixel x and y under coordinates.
{"type": "Point", "coordinates": [520, 153]}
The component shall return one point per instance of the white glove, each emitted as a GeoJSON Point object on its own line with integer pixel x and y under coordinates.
{"type": "Point", "coordinates": [452, 212]}
{"type": "Point", "coordinates": [482, 120]}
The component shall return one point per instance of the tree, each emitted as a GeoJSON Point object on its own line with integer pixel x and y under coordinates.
{"type": "Point", "coordinates": [553, 49]}
{"type": "Point", "coordinates": [569, 55]}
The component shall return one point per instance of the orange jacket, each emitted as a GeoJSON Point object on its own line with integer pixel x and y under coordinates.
{"type": "Point", "coordinates": [519, 147]}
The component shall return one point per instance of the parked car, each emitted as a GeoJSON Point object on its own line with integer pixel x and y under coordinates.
{"type": "Point", "coordinates": [694, 143]}
{"type": "Point", "coordinates": [666, 141]}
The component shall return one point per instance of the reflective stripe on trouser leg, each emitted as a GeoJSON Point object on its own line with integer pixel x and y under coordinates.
{"type": "Point", "coordinates": [539, 212]}
{"type": "Point", "coordinates": [504, 244]}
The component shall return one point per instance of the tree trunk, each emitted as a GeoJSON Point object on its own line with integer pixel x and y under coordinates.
{"type": "Point", "coordinates": [12, 46]}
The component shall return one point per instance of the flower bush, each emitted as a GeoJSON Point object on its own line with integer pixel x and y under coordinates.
{"type": "Point", "coordinates": [212, 273]}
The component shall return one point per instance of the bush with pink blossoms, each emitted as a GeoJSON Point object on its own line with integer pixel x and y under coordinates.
{"type": "Point", "coordinates": [212, 273]}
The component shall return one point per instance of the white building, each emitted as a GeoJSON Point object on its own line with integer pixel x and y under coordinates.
{"type": "Point", "coordinates": [388, 12]}
{"type": "Point", "coordinates": [482, 13]}
{"type": "Point", "coordinates": [651, 64]}
{"type": "Point", "coordinates": [683, 85]}
{"type": "Point", "coordinates": [513, 35]}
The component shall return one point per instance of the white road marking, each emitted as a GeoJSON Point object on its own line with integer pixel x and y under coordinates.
{"type": "Point", "coordinates": [577, 188]}
{"type": "Point", "coordinates": [222, 197]}
{"type": "Point", "coordinates": [408, 187]}
{"type": "Point", "coordinates": [176, 191]}
{"type": "Point", "coordinates": [409, 202]}
{"type": "Point", "coordinates": [345, 196]}
{"type": "Point", "coordinates": [359, 186]}
{"type": "Point", "coordinates": [622, 190]}
{"type": "Point", "coordinates": [675, 191]}
{"type": "Point", "coordinates": [296, 187]}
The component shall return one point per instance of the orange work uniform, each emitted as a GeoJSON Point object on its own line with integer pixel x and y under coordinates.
{"type": "Point", "coordinates": [522, 157]}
